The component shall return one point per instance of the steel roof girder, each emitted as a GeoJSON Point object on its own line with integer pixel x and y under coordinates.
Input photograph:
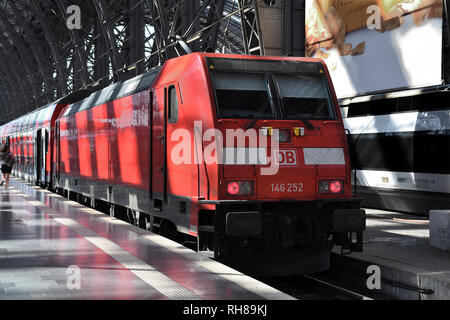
{"type": "Point", "coordinates": [21, 52]}
{"type": "Point", "coordinates": [51, 43]}
{"type": "Point", "coordinates": [30, 38]}
{"type": "Point", "coordinates": [79, 52]}
{"type": "Point", "coordinates": [108, 36]}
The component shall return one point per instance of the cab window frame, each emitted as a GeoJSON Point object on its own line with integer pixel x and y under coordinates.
{"type": "Point", "coordinates": [274, 95]}
{"type": "Point", "coordinates": [331, 102]}
{"type": "Point", "coordinates": [269, 90]}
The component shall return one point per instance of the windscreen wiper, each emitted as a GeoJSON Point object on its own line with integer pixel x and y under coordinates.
{"type": "Point", "coordinates": [257, 114]}
{"type": "Point", "coordinates": [307, 124]}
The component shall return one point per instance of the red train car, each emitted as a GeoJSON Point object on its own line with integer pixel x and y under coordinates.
{"type": "Point", "coordinates": [244, 155]}
{"type": "Point", "coordinates": [30, 139]}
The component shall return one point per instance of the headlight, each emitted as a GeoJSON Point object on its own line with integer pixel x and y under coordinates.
{"type": "Point", "coordinates": [241, 188]}
{"type": "Point", "coordinates": [331, 186]}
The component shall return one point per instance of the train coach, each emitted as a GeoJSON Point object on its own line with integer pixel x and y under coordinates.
{"type": "Point", "coordinates": [246, 156]}
{"type": "Point", "coordinates": [30, 138]}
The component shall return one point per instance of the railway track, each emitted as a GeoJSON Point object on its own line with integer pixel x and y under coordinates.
{"type": "Point", "coordinates": [340, 291]}
{"type": "Point", "coordinates": [304, 287]}
{"type": "Point", "coordinates": [307, 287]}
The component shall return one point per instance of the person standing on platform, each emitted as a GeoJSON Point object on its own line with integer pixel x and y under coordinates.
{"type": "Point", "coordinates": [7, 160]}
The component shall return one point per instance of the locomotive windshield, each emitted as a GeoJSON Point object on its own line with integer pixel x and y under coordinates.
{"type": "Point", "coordinates": [278, 90]}
{"type": "Point", "coordinates": [304, 97]}
{"type": "Point", "coordinates": [242, 95]}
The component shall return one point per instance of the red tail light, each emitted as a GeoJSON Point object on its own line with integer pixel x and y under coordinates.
{"type": "Point", "coordinates": [335, 186]}
{"type": "Point", "coordinates": [233, 188]}
{"type": "Point", "coordinates": [331, 186]}
{"type": "Point", "coordinates": [241, 188]}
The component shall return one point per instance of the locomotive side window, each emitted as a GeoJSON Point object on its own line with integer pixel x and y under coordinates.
{"type": "Point", "coordinates": [242, 95]}
{"type": "Point", "coordinates": [173, 105]}
{"type": "Point", "coordinates": [304, 97]}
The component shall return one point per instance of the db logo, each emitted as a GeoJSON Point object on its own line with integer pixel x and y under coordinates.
{"type": "Point", "coordinates": [286, 157]}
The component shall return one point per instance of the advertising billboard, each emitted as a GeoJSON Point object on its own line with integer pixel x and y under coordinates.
{"type": "Point", "coordinates": [376, 45]}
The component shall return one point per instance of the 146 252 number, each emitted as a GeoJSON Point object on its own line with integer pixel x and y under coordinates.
{"type": "Point", "coordinates": [287, 187]}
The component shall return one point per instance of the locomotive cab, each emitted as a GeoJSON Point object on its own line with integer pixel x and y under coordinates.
{"type": "Point", "coordinates": [284, 172]}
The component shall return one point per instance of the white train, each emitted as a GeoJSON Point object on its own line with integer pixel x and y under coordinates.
{"type": "Point", "coordinates": [400, 148]}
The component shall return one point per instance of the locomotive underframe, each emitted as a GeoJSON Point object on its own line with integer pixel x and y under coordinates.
{"type": "Point", "coordinates": [265, 227]}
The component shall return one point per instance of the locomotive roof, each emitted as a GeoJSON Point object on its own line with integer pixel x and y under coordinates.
{"type": "Point", "coordinates": [139, 83]}
{"type": "Point", "coordinates": [116, 91]}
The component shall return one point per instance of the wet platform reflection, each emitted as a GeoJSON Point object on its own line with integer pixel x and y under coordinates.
{"type": "Point", "coordinates": [53, 248]}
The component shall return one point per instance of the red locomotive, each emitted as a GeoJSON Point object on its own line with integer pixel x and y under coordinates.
{"type": "Point", "coordinates": [244, 155]}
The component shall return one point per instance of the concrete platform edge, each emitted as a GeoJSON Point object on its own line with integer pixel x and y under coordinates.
{"type": "Point", "coordinates": [398, 280]}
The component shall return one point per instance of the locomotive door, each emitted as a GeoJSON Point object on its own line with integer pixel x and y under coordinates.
{"type": "Point", "coordinates": [38, 155]}
{"type": "Point", "coordinates": [44, 155]}
{"type": "Point", "coordinates": [158, 146]}
{"type": "Point", "coordinates": [57, 154]}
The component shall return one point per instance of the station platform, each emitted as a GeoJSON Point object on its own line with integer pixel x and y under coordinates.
{"type": "Point", "coordinates": [54, 248]}
{"type": "Point", "coordinates": [399, 245]}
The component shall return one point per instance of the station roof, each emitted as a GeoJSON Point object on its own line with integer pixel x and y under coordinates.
{"type": "Point", "coordinates": [45, 55]}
